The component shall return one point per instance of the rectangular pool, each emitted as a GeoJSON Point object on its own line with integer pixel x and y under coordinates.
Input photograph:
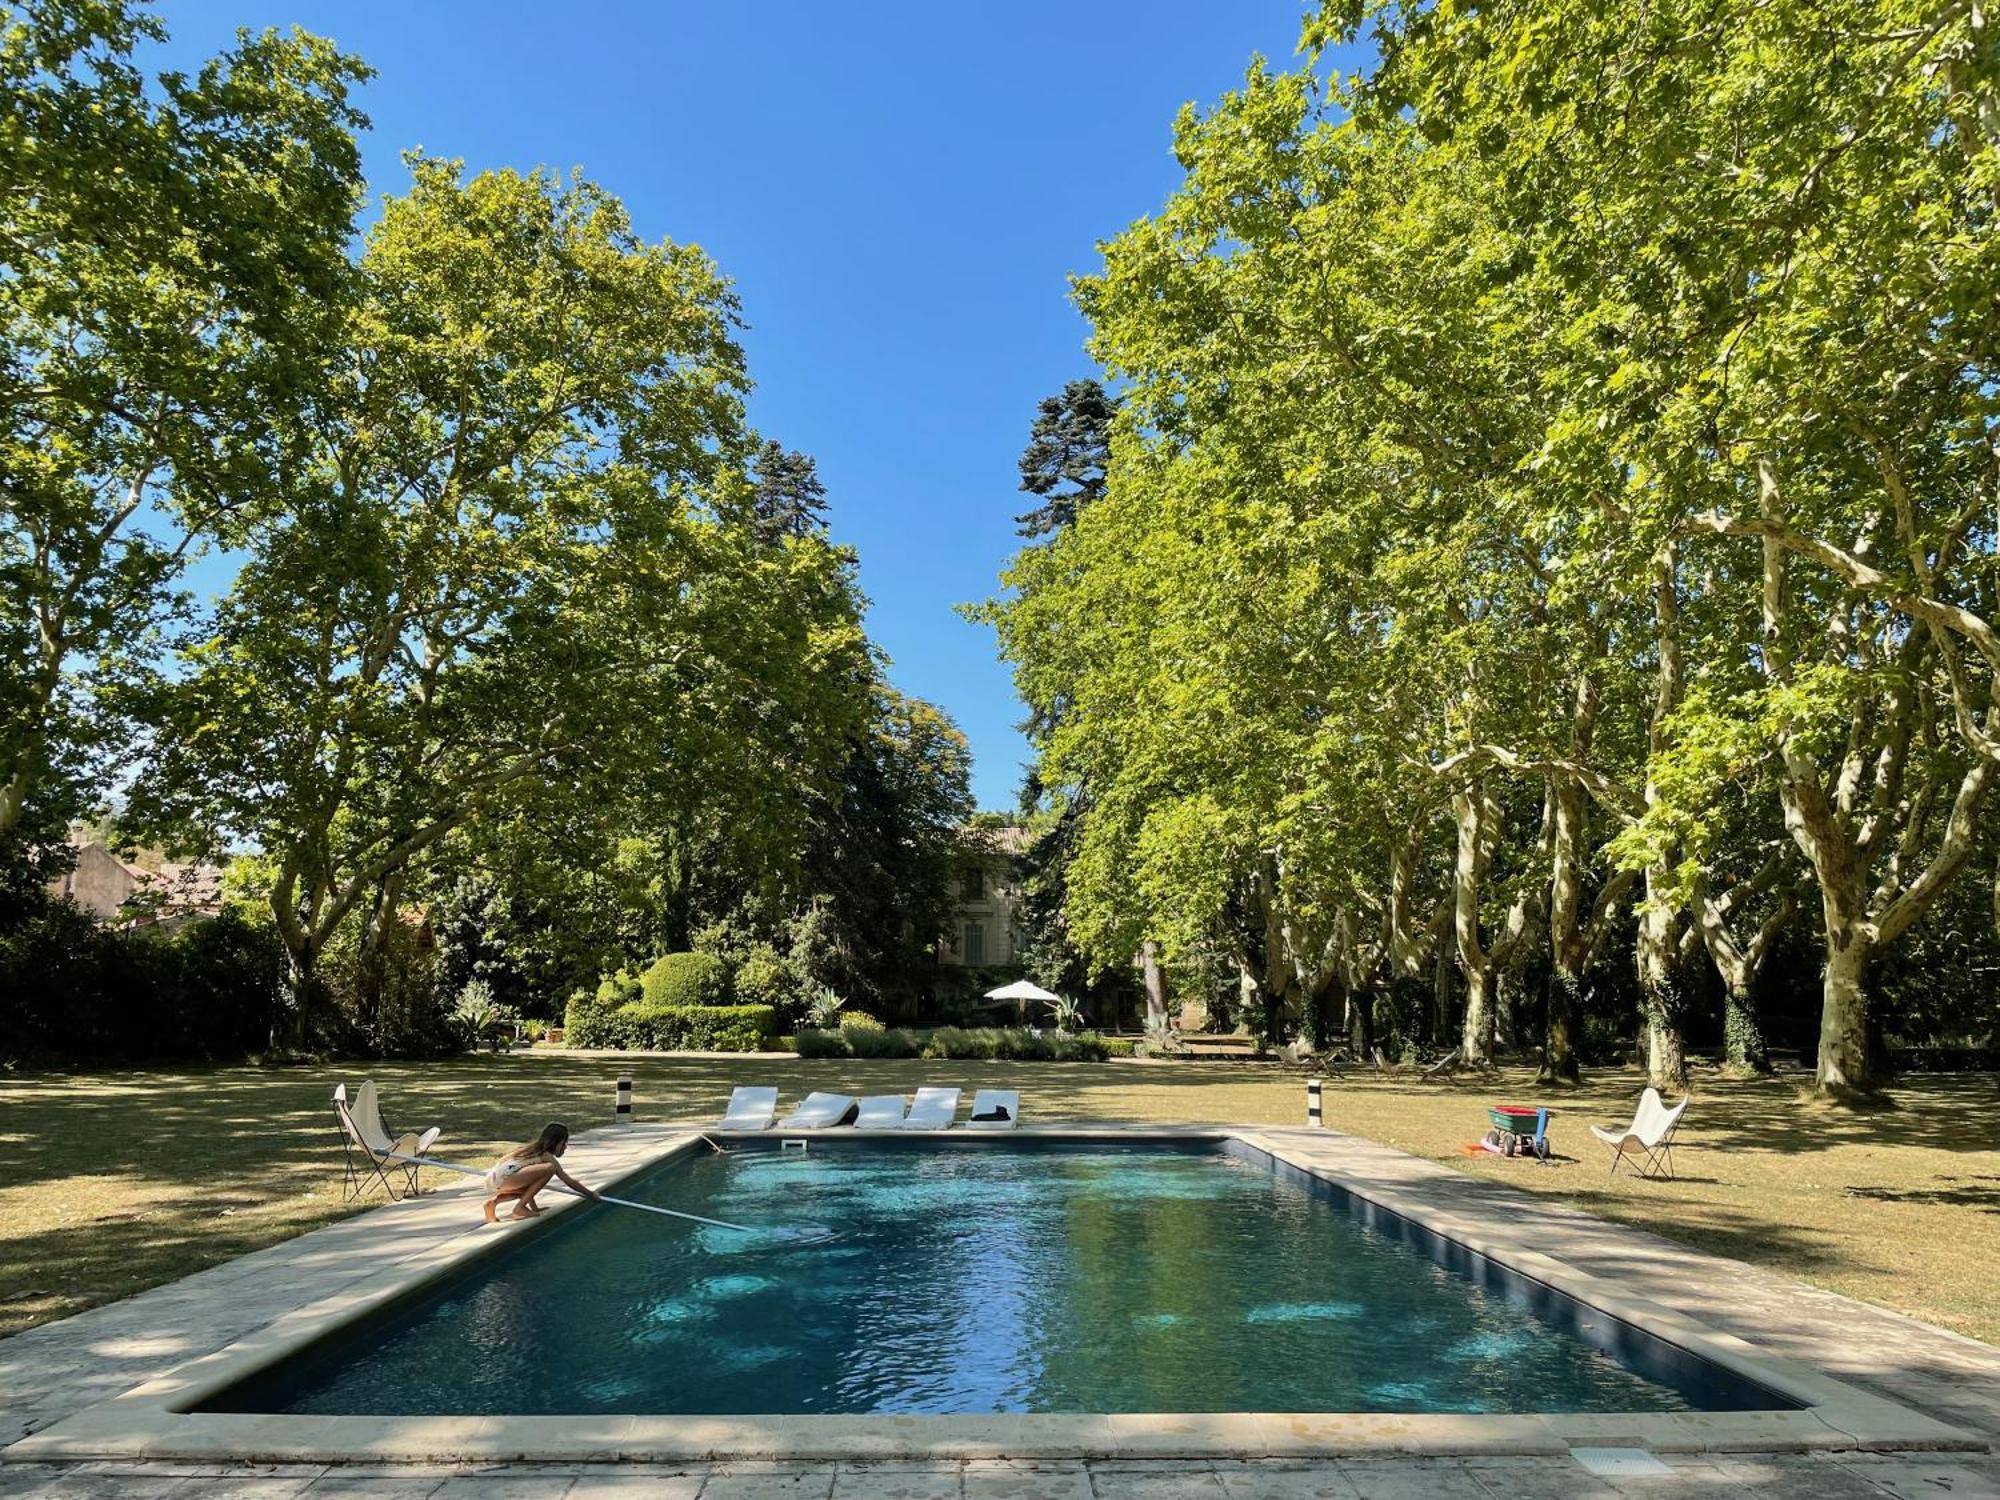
{"type": "Point", "coordinates": [991, 1276]}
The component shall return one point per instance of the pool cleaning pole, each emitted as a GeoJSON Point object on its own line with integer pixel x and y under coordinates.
{"type": "Point", "coordinates": [651, 1208]}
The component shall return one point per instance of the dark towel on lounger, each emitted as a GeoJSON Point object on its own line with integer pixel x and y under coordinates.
{"type": "Point", "coordinates": [998, 1112]}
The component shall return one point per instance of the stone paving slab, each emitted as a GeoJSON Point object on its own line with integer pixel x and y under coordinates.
{"type": "Point", "coordinates": [1692, 1477]}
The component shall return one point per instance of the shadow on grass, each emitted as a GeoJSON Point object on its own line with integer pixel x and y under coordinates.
{"type": "Point", "coordinates": [1964, 1193]}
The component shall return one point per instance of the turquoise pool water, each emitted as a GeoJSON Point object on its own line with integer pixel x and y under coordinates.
{"type": "Point", "coordinates": [962, 1281]}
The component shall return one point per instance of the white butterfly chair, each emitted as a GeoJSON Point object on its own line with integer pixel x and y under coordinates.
{"type": "Point", "coordinates": [750, 1108]}
{"type": "Point", "coordinates": [1650, 1136]}
{"type": "Point", "coordinates": [372, 1151]}
{"type": "Point", "coordinates": [1003, 1104]}
{"type": "Point", "coordinates": [932, 1109]}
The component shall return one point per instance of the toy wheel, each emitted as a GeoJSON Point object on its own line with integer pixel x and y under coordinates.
{"type": "Point", "coordinates": [1542, 1149]}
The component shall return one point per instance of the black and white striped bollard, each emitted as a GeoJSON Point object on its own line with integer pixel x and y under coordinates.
{"type": "Point", "coordinates": [624, 1109]}
{"type": "Point", "coordinates": [1312, 1101]}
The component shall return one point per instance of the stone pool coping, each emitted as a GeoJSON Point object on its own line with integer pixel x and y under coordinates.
{"type": "Point", "coordinates": [429, 1239]}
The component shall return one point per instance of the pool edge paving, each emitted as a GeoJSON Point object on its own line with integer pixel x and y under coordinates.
{"type": "Point", "coordinates": [324, 1283]}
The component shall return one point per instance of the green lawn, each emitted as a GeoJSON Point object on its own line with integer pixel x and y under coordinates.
{"type": "Point", "coordinates": [122, 1180]}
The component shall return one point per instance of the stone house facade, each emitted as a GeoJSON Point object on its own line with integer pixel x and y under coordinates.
{"type": "Point", "coordinates": [986, 890]}
{"type": "Point", "coordinates": [128, 893]}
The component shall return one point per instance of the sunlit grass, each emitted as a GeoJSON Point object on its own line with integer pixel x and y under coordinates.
{"type": "Point", "coordinates": [119, 1181]}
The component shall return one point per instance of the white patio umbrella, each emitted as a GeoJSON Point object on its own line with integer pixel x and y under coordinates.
{"type": "Point", "coordinates": [1020, 989]}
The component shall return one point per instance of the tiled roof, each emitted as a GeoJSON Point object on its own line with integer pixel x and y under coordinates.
{"type": "Point", "coordinates": [1010, 838]}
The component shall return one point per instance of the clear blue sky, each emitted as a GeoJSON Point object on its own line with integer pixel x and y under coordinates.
{"type": "Point", "coordinates": [898, 191]}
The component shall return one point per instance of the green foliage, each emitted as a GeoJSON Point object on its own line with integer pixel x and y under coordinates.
{"type": "Point", "coordinates": [823, 1008]}
{"type": "Point", "coordinates": [1014, 1044]}
{"type": "Point", "coordinates": [474, 1011]}
{"type": "Point", "coordinates": [176, 273]}
{"type": "Point", "coordinates": [649, 1026]}
{"type": "Point", "coordinates": [83, 992]}
{"type": "Point", "coordinates": [821, 1043]}
{"type": "Point", "coordinates": [890, 1042]}
{"type": "Point", "coordinates": [681, 979]}
{"type": "Point", "coordinates": [505, 468]}
{"type": "Point", "coordinates": [1546, 471]}
{"type": "Point", "coordinates": [1067, 456]}
{"type": "Point", "coordinates": [764, 978]}
{"type": "Point", "coordinates": [859, 1020]}
{"type": "Point", "coordinates": [881, 856]}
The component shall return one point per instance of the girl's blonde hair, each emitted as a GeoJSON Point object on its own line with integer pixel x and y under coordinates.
{"type": "Point", "coordinates": [554, 1135]}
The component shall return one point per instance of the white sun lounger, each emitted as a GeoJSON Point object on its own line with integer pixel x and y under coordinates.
{"type": "Point", "coordinates": [820, 1111]}
{"type": "Point", "coordinates": [880, 1112]}
{"type": "Point", "coordinates": [371, 1149]}
{"type": "Point", "coordinates": [750, 1108]}
{"type": "Point", "coordinates": [933, 1109]}
{"type": "Point", "coordinates": [1650, 1136]}
{"type": "Point", "coordinates": [986, 1101]}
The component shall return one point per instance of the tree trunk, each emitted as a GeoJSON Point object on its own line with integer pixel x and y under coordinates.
{"type": "Point", "coordinates": [1845, 1066]}
{"type": "Point", "coordinates": [1506, 1011]}
{"type": "Point", "coordinates": [371, 969]}
{"type": "Point", "coordinates": [1440, 1011]}
{"type": "Point", "coordinates": [1470, 810]}
{"type": "Point", "coordinates": [1565, 1024]}
{"type": "Point", "coordinates": [1156, 985]}
{"type": "Point", "coordinates": [1476, 1035]}
{"type": "Point", "coordinates": [291, 1028]}
{"type": "Point", "coordinates": [1662, 990]}
{"type": "Point", "coordinates": [1666, 1050]}
{"type": "Point", "coordinates": [1742, 1035]}
{"type": "Point", "coordinates": [1361, 1021]}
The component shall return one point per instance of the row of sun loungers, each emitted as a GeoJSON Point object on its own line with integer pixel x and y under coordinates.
{"type": "Point", "coordinates": [753, 1108]}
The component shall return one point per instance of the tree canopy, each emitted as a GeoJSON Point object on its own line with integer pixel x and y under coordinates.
{"type": "Point", "coordinates": [1549, 501]}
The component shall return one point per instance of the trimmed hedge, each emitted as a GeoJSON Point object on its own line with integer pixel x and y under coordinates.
{"type": "Point", "coordinates": [643, 1025]}
{"type": "Point", "coordinates": [1015, 1044]}
{"type": "Point", "coordinates": [686, 979]}
{"type": "Point", "coordinates": [1010, 1043]}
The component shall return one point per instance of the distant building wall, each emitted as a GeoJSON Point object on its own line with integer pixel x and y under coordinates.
{"type": "Point", "coordinates": [115, 891]}
{"type": "Point", "coordinates": [100, 883]}
{"type": "Point", "coordinates": [986, 892]}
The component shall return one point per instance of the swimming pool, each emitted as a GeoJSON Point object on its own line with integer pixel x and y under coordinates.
{"type": "Point", "coordinates": [994, 1276]}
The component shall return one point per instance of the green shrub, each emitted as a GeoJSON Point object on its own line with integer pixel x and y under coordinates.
{"type": "Point", "coordinates": [588, 1024]}
{"type": "Point", "coordinates": [859, 1020]}
{"type": "Point", "coordinates": [823, 1007]}
{"type": "Point", "coordinates": [1077, 1046]}
{"type": "Point", "coordinates": [878, 1041]}
{"type": "Point", "coordinates": [1014, 1044]}
{"type": "Point", "coordinates": [819, 1043]}
{"type": "Point", "coordinates": [72, 989]}
{"type": "Point", "coordinates": [1119, 1046]}
{"type": "Point", "coordinates": [764, 978]}
{"type": "Point", "coordinates": [687, 979]}
{"type": "Point", "coordinates": [674, 1028]}
{"type": "Point", "coordinates": [957, 1042]}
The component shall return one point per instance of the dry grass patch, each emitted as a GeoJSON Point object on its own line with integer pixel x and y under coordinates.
{"type": "Point", "coordinates": [121, 1181]}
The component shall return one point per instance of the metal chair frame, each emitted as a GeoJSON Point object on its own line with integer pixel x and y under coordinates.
{"type": "Point", "coordinates": [365, 1163]}
{"type": "Point", "coordinates": [1655, 1161]}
